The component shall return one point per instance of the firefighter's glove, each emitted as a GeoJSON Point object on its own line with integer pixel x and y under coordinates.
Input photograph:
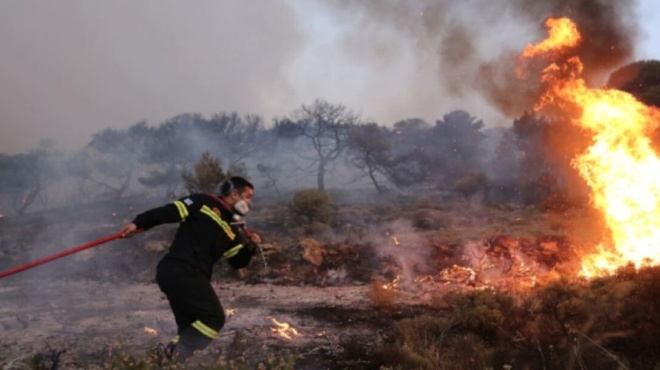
{"type": "Point", "coordinates": [251, 247]}
{"type": "Point", "coordinates": [253, 236]}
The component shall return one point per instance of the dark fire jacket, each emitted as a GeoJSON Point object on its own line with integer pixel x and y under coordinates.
{"type": "Point", "coordinates": [205, 234]}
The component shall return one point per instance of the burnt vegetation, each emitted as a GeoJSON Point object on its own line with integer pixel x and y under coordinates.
{"type": "Point", "coordinates": [440, 222]}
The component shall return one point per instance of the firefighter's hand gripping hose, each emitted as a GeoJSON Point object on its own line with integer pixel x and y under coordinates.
{"type": "Point", "coordinates": [61, 254]}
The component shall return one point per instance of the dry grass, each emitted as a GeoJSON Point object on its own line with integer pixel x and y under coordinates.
{"type": "Point", "coordinates": [602, 324]}
{"type": "Point", "coordinates": [116, 357]}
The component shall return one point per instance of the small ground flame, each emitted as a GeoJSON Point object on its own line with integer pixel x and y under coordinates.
{"type": "Point", "coordinates": [230, 312]}
{"type": "Point", "coordinates": [150, 331]}
{"type": "Point", "coordinates": [396, 240]}
{"type": "Point", "coordinates": [284, 330]}
{"type": "Point", "coordinates": [393, 285]}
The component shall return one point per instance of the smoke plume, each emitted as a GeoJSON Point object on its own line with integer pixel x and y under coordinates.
{"type": "Point", "coordinates": [473, 45]}
{"type": "Point", "coordinates": [70, 68]}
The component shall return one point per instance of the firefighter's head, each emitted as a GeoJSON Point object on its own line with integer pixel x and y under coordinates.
{"type": "Point", "coordinates": [237, 192]}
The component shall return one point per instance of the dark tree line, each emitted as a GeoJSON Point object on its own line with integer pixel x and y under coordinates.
{"type": "Point", "coordinates": [450, 155]}
{"type": "Point", "coordinates": [527, 162]}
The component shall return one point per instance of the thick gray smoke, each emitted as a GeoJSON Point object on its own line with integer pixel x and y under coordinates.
{"type": "Point", "coordinates": [70, 68]}
{"type": "Point", "coordinates": [472, 46]}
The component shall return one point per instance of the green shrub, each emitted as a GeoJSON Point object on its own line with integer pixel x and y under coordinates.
{"type": "Point", "coordinates": [428, 219]}
{"type": "Point", "coordinates": [207, 175]}
{"type": "Point", "coordinates": [310, 209]}
{"type": "Point", "coordinates": [471, 184]}
{"type": "Point", "coordinates": [479, 312]}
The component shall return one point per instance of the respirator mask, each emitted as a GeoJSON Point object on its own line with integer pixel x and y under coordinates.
{"type": "Point", "coordinates": [241, 207]}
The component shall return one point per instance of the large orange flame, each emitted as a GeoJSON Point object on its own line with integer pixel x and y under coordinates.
{"type": "Point", "coordinates": [562, 33]}
{"type": "Point", "coordinates": [620, 166]}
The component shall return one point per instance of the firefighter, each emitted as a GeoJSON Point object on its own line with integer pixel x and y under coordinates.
{"type": "Point", "coordinates": [208, 231]}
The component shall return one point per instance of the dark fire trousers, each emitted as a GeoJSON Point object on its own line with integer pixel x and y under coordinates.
{"type": "Point", "coordinates": [197, 310]}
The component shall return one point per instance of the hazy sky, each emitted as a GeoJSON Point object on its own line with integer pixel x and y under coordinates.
{"type": "Point", "coordinates": [70, 68]}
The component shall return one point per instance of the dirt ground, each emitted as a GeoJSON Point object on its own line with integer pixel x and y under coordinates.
{"type": "Point", "coordinates": [88, 320]}
{"type": "Point", "coordinates": [104, 303]}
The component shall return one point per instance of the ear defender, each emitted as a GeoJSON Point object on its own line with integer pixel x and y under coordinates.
{"type": "Point", "coordinates": [229, 187]}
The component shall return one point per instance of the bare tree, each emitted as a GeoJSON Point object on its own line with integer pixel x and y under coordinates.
{"type": "Point", "coordinates": [167, 152]}
{"type": "Point", "coordinates": [235, 138]}
{"type": "Point", "coordinates": [271, 173]}
{"type": "Point", "coordinates": [111, 158]}
{"type": "Point", "coordinates": [369, 151]}
{"type": "Point", "coordinates": [24, 177]}
{"type": "Point", "coordinates": [326, 127]}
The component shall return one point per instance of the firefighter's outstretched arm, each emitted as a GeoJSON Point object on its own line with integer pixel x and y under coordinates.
{"type": "Point", "coordinates": [177, 211]}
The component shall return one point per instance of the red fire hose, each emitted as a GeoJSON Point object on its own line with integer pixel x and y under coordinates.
{"type": "Point", "coordinates": [55, 256]}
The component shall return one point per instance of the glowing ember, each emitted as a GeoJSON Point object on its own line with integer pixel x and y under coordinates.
{"type": "Point", "coordinates": [393, 285]}
{"type": "Point", "coordinates": [230, 311]}
{"type": "Point", "coordinates": [283, 329]}
{"type": "Point", "coordinates": [457, 274]}
{"type": "Point", "coordinates": [620, 166]}
{"type": "Point", "coordinates": [150, 331]}
{"type": "Point", "coordinates": [422, 279]}
{"type": "Point", "coordinates": [396, 240]}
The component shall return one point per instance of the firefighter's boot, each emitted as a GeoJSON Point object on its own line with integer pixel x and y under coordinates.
{"type": "Point", "coordinates": [169, 348]}
{"type": "Point", "coordinates": [190, 340]}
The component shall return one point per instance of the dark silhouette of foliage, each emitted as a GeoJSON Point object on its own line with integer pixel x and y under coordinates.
{"type": "Point", "coordinates": [471, 184]}
{"type": "Point", "coordinates": [406, 165]}
{"type": "Point", "coordinates": [168, 152]}
{"type": "Point", "coordinates": [24, 177]}
{"type": "Point", "coordinates": [369, 152]}
{"type": "Point", "coordinates": [232, 137]}
{"type": "Point", "coordinates": [457, 141]}
{"type": "Point", "coordinates": [286, 128]}
{"type": "Point", "coordinates": [641, 79]}
{"type": "Point", "coordinates": [547, 149]}
{"type": "Point", "coordinates": [111, 158]}
{"type": "Point", "coordinates": [175, 144]}
{"type": "Point", "coordinates": [440, 154]}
